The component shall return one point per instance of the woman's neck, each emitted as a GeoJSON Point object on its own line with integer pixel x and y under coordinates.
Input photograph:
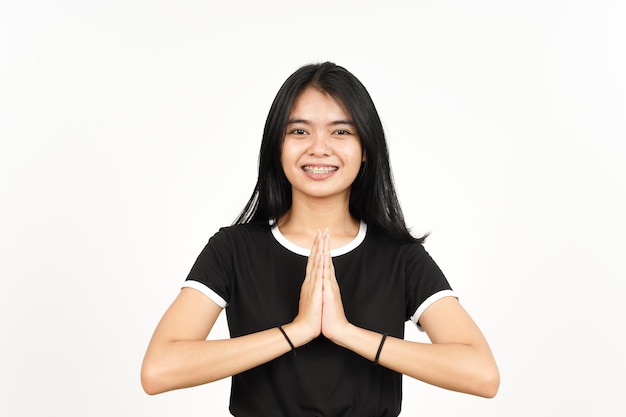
{"type": "Point", "coordinates": [300, 224]}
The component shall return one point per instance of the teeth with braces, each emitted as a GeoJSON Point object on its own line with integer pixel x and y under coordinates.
{"type": "Point", "coordinates": [320, 170]}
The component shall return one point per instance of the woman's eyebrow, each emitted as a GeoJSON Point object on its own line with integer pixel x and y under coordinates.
{"type": "Point", "coordinates": [333, 123]}
{"type": "Point", "coordinates": [298, 121]}
{"type": "Point", "coordinates": [342, 122]}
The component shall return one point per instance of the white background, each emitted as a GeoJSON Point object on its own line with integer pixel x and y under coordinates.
{"type": "Point", "coordinates": [129, 134]}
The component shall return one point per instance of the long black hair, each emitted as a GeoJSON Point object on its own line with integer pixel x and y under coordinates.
{"type": "Point", "coordinates": [373, 197]}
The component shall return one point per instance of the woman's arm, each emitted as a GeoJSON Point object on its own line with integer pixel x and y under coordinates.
{"type": "Point", "coordinates": [179, 355]}
{"type": "Point", "coordinates": [458, 358]}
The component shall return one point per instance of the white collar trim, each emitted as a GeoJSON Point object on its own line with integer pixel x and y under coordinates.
{"type": "Point", "coordinates": [280, 238]}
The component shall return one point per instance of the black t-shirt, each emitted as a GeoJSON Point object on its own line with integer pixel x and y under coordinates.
{"type": "Point", "coordinates": [255, 273]}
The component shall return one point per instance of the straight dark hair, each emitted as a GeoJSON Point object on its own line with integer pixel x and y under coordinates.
{"type": "Point", "coordinates": [373, 197]}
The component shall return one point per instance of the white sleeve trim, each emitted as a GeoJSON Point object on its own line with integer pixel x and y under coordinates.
{"type": "Point", "coordinates": [196, 285]}
{"type": "Point", "coordinates": [415, 318]}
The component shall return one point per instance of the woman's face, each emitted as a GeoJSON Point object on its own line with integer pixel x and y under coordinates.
{"type": "Point", "coordinates": [321, 154]}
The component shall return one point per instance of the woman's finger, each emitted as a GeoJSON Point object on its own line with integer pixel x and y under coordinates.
{"type": "Point", "coordinates": [313, 260]}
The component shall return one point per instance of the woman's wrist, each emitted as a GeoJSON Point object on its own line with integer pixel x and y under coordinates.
{"type": "Point", "coordinates": [342, 335]}
{"type": "Point", "coordinates": [364, 342]}
{"type": "Point", "coordinates": [299, 334]}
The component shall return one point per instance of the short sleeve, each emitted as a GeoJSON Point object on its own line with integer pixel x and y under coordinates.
{"type": "Point", "coordinates": [425, 282]}
{"type": "Point", "coordinates": [211, 271]}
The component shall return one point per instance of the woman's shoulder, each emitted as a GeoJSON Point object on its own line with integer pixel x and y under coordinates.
{"type": "Point", "coordinates": [379, 237]}
{"type": "Point", "coordinates": [238, 232]}
{"type": "Point", "coordinates": [392, 247]}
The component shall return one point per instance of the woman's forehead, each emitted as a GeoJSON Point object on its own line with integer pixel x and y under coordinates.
{"type": "Point", "coordinates": [314, 101]}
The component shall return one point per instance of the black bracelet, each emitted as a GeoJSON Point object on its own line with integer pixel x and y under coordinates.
{"type": "Point", "coordinates": [380, 348]}
{"type": "Point", "coordinates": [293, 348]}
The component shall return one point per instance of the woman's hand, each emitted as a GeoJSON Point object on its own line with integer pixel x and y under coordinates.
{"type": "Point", "coordinates": [309, 317]}
{"type": "Point", "coordinates": [333, 316]}
{"type": "Point", "coordinates": [320, 309]}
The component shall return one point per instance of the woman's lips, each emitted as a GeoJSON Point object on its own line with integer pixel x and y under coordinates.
{"type": "Point", "coordinates": [319, 169]}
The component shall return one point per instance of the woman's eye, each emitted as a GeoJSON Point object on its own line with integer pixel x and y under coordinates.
{"type": "Point", "coordinates": [342, 132]}
{"type": "Point", "coordinates": [298, 132]}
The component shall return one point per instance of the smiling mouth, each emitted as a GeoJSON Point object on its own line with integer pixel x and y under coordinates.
{"type": "Point", "coordinates": [319, 170]}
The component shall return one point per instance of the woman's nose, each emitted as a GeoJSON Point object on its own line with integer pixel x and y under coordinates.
{"type": "Point", "coordinates": [319, 145]}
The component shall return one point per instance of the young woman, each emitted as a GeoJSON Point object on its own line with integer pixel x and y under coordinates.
{"type": "Point", "coordinates": [318, 276]}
